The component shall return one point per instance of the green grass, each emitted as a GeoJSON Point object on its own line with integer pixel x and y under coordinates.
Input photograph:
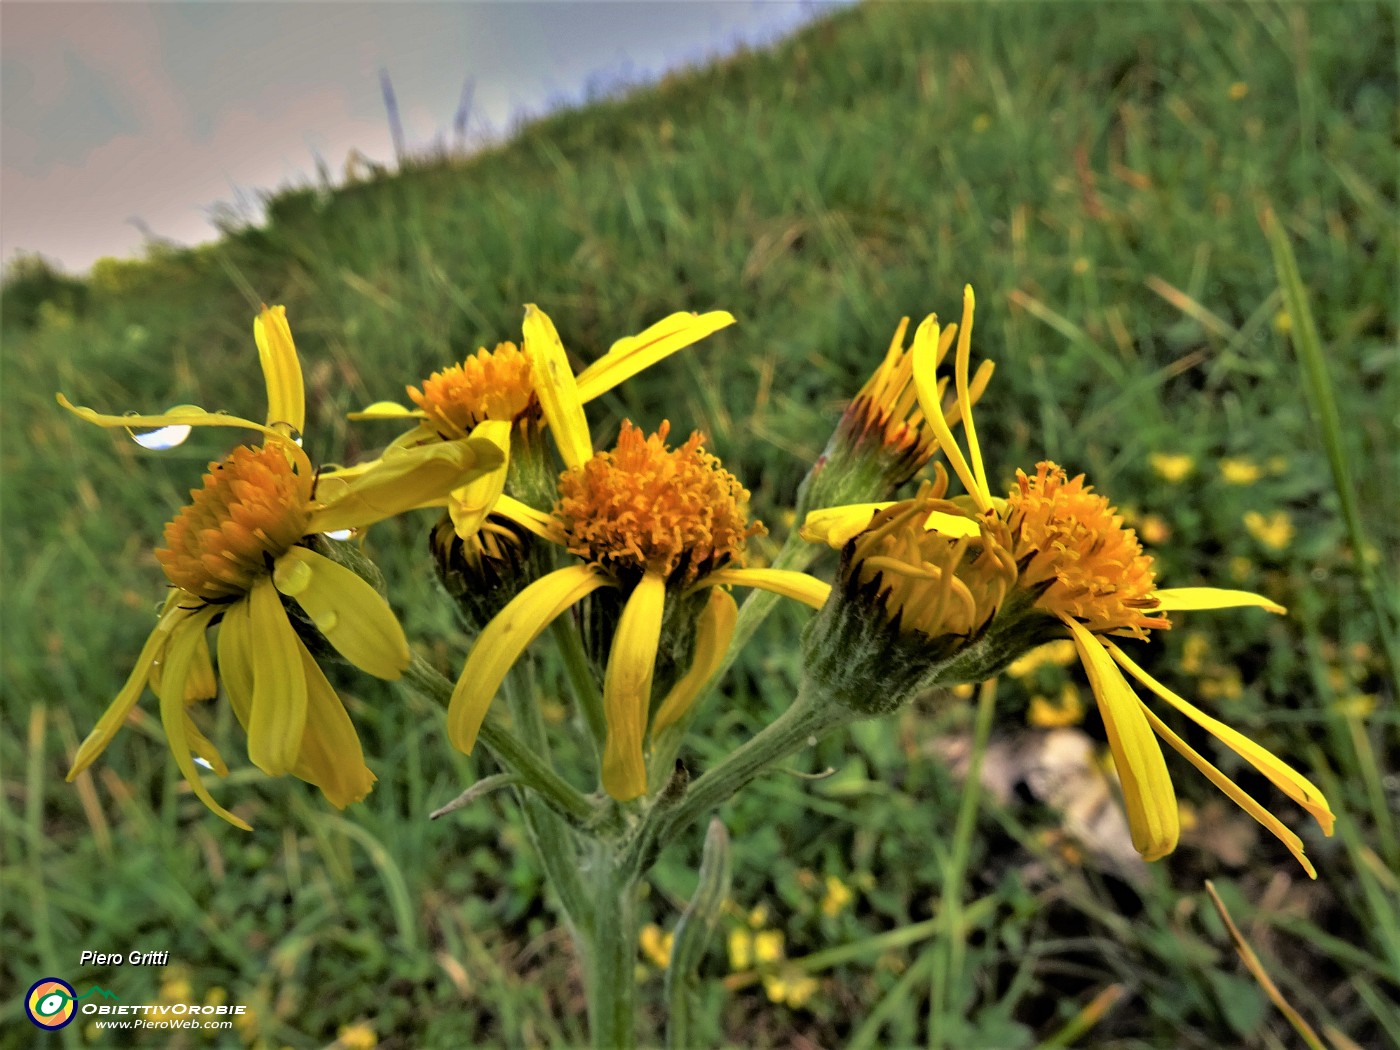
{"type": "Point", "coordinates": [1097, 174]}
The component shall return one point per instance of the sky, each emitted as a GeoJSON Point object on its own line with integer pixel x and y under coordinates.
{"type": "Point", "coordinates": [120, 121]}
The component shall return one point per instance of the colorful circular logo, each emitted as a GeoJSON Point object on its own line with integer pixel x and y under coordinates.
{"type": "Point", "coordinates": [49, 1003]}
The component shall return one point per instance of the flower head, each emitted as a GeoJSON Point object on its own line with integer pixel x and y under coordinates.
{"type": "Point", "coordinates": [657, 525]}
{"type": "Point", "coordinates": [1077, 570]}
{"type": "Point", "coordinates": [245, 554]}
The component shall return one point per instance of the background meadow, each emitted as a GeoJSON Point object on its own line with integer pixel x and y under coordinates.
{"type": "Point", "coordinates": [1097, 174]}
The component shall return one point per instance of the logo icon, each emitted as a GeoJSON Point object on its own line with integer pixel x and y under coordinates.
{"type": "Point", "coordinates": [49, 1003]}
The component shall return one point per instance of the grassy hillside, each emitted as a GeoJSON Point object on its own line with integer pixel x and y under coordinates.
{"type": "Point", "coordinates": [1096, 173]}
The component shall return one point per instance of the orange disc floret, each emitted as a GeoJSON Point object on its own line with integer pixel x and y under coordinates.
{"type": "Point", "coordinates": [1064, 532]}
{"type": "Point", "coordinates": [490, 384]}
{"type": "Point", "coordinates": [253, 508]}
{"type": "Point", "coordinates": [646, 507]}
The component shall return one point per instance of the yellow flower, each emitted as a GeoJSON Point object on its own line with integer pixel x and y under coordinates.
{"type": "Point", "coordinates": [1240, 471]}
{"type": "Point", "coordinates": [516, 387]}
{"type": "Point", "coordinates": [838, 897]}
{"type": "Point", "coordinates": [658, 524]}
{"type": "Point", "coordinates": [1274, 532]}
{"type": "Point", "coordinates": [1066, 710]}
{"type": "Point", "coordinates": [656, 944]}
{"type": "Point", "coordinates": [236, 554]}
{"type": "Point", "coordinates": [1172, 466]}
{"type": "Point", "coordinates": [1078, 564]}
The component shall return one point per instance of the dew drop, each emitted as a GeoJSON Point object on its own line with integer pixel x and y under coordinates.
{"type": "Point", "coordinates": [340, 534]}
{"type": "Point", "coordinates": [292, 577]}
{"type": "Point", "coordinates": [161, 438]}
{"type": "Point", "coordinates": [202, 762]}
{"type": "Point", "coordinates": [328, 620]}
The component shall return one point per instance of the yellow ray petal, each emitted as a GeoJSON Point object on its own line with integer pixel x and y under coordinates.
{"type": "Point", "coordinates": [330, 757]}
{"type": "Point", "coordinates": [180, 415]}
{"type": "Point", "coordinates": [1148, 795]}
{"type": "Point", "coordinates": [960, 367]}
{"type": "Point", "coordinates": [200, 745]}
{"type": "Point", "coordinates": [1190, 599]}
{"type": "Point", "coordinates": [713, 631]}
{"type": "Point", "coordinates": [470, 504]}
{"type": "Point", "coordinates": [236, 660]}
{"type": "Point", "coordinates": [924, 355]}
{"type": "Point", "coordinates": [837, 526]}
{"type": "Point", "coordinates": [545, 526]}
{"type": "Point", "coordinates": [172, 706]}
{"type": "Point", "coordinates": [795, 585]}
{"type": "Point", "coordinates": [954, 525]}
{"type": "Point", "coordinates": [278, 716]}
{"type": "Point", "coordinates": [1236, 794]}
{"type": "Point", "coordinates": [401, 480]}
{"type": "Point", "coordinates": [286, 400]}
{"type": "Point", "coordinates": [556, 388]}
{"type": "Point", "coordinates": [1283, 776]}
{"type": "Point", "coordinates": [503, 640]}
{"type": "Point", "coordinates": [386, 410]}
{"type": "Point", "coordinates": [627, 688]}
{"type": "Point", "coordinates": [117, 711]}
{"type": "Point", "coordinates": [346, 609]}
{"type": "Point", "coordinates": [633, 353]}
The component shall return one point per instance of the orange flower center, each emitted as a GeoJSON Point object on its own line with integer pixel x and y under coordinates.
{"type": "Point", "coordinates": [253, 508]}
{"type": "Point", "coordinates": [491, 384]}
{"type": "Point", "coordinates": [1067, 534]}
{"type": "Point", "coordinates": [645, 507]}
{"type": "Point", "coordinates": [930, 582]}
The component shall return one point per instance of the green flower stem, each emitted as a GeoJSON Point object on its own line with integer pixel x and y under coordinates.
{"type": "Point", "coordinates": [610, 952]}
{"type": "Point", "coordinates": [590, 700]}
{"type": "Point", "coordinates": [808, 718]}
{"type": "Point", "coordinates": [510, 751]}
{"type": "Point", "coordinates": [555, 841]}
{"type": "Point", "coordinates": [948, 966]}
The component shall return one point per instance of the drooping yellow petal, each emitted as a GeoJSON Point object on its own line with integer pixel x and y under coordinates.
{"type": "Point", "coordinates": [172, 706]}
{"type": "Point", "coordinates": [795, 585]}
{"type": "Point", "coordinates": [286, 399]}
{"type": "Point", "coordinates": [627, 688]}
{"type": "Point", "coordinates": [633, 353]}
{"type": "Point", "coordinates": [1190, 599]}
{"type": "Point", "coordinates": [386, 410]}
{"type": "Point", "coordinates": [837, 526]}
{"type": "Point", "coordinates": [201, 746]}
{"type": "Point", "coordinates": [236, 660]}
{"type": "Point", "coordinates": [1283, 776]}
{"type": "Point", "coordinates": [401, 480]}
{"type": "Point", "coordinates": [924, 361]}
{"type": "Point", "coordinates": [117, 711]}
{"type": "Point", "coordinates": [556, 388]}
{"type": "Point", "coordinates": [470, 504]}
{"type": "Point", "coordinates": [1237, 795]}
{"type": "Point", "coordinates": [330, 757]}
{"type": "Point", "coordinates": [1148, 795]}
{"type": "Point", "coordinates": [278, 716]}
{"type": "Point", "coordinates": [503, 640]}
{"type": "Point", "coordinates": [713, 630]}
{"type": "Point", "coordinates": [346, 609]}
{"type": "Point", "coordinates": [200, 683]}
{"type": "Point", "coordinates": [179, 416]}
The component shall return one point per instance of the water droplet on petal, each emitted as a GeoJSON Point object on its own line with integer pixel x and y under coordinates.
{"type": "Point", "coordinates": [340, 534]}
{"type": "Point", "coordinates": [292, 577]}
{"type": "Point", "coordinates": [202, 762]}
{"type": "Point", "coordinates": [328, 620]}
{"type": "Point", "coordinates": [161, 438]}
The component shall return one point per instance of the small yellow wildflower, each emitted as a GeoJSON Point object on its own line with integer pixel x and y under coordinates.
{"type": "Point", "coordinates": [1225, 684]}
{"type": "Point", "coordinates": [767, 946]}
{"type": "Point", "coordinates": [838, 897]}
{"type": "Point", "coordinates": [1238, 90]}
{"type": "Point", "coordinates": [1154, 529]}
{"type": "Point", "coordinates": [1059, 653]}
{"type": "Point", "coordinates": [358, 1035]}
{"type": "Point", "coordinates": [791, 987]}
{"type": "Point", "coordinates": [1241, 568]}
{"type": "Point", "coordinates": [740, 946]}
{"type": "Point", "coordinates": [656, 944]}
{"type": "Point", "coordinates": [1193, 652]}
{"type": "Point", "coordinates": [1065, 710]}
{"type": "Point", "coordinates": [1172, 466]}
{"type": "Point", "coordinates": [1274, 531]}
{"type": "Point", "coordinates": [1240, 471]}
